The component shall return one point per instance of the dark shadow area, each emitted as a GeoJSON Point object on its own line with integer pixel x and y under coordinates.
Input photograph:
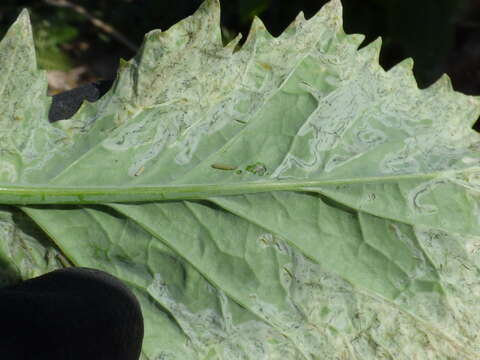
{"type": "Point", "coordinates": [8, 273]}
{"type": "Point", "coordinates": [26, 225]}
{"type": "Point", "coordinates": [332, 203]}
{"type": "Point", "coordinates": [210, 205]}
{"type": "Point", "coordinates": [72, 313]}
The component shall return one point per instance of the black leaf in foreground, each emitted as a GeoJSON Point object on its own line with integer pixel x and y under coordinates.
{"type": "Point", "coordinates": [72, 313]}
{"type": "Point", "coordinates": [66, 104]}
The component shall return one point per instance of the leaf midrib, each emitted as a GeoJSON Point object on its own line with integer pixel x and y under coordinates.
{"type": "Point", "coordinates": [51, 194]}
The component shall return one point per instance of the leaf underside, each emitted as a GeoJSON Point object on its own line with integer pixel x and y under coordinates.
{"type": "Point", "coordinates": [289, 199]}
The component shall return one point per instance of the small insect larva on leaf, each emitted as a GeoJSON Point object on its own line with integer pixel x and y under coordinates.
{"type": "Point", "coordinates": [139, 171]}
{"type": "Point", "coordinates": [224, 167]}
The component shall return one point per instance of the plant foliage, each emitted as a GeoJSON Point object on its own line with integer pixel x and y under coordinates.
{"type": "Point", "coordinates": [287, 200]}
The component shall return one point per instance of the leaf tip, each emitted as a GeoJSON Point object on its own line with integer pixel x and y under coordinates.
{"type": "Point", "coordinates": [404, 71]}
{"type": "Point", "coordinates": [20, 36]}
{"type": "Point", "coordinates": [234, 42]}
{"type": "Point", "coordinates": [207, 16]}
{"type": "Point", "coordinates": [24, 14]}
{"type": "Point", "coordinates": [22, 22]}
{"type": "Point", "coordinates": [442, 84]}
{"type": "Point", "coordinates": [300, 17]}
{"type": "Point", "coordinates": [257, 29]}
{"type": "Point", "coordinates": [333, 8]}
{"type": "Point", "coordinates": [372, 50]}
{"type": "Point", "coordinates": [210, 6]}
{"type": "Point", "coordinates": [406, 64]}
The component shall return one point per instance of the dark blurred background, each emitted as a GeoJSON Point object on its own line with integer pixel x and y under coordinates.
{"type": "Point", "coordinates": [82, 41]}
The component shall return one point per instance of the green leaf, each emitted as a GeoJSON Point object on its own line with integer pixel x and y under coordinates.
{"type": "Point", "coordinates": [48, 35]}
{"type": "Point", "coordinates": [289, 199]}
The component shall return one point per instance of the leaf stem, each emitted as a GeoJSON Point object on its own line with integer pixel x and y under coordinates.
{"type": "Point", "coordinates": [51, 194]}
